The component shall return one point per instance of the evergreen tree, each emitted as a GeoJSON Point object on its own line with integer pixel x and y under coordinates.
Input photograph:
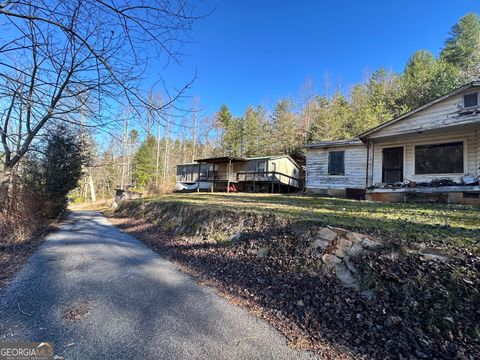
{"type": "Point", "coordinates": [462, 48]}
{"type": "Point", "coordinates": [144, 162]}
{"type": "Point", "coordinates": [266, 142]}
{"type": "Point", "coordinates": [285, 128]}
{"type": "Point", "coordinates": [251, 132]}
{"type": "Point", "coordinates": [363, 115]}
{"type": "Point", "coordinates": [321, 128]}
{"type": "Point", "coordinates": [232, 136]}
{"type": "Point", "coordinates": [61, 167]}
{"type": "Point", "coordinates": [426, 78]}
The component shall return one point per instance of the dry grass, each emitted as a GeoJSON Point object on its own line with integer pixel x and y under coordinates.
{"type": "Point", "coordinates": [432, 223]}
{"type": "Point", "coordinates": [100, 205]}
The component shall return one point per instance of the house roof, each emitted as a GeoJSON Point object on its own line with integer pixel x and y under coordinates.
{"type": "Point", "coordinates": [186, 164]}
{"type": "Point", "coordinates": [336, 143]}
{"type": "Point", "coordinates": [220, 159]}
{"type": "Point", "coordinates": [273, 157]}
{"type": "Point", "coordinates": [364, 135]}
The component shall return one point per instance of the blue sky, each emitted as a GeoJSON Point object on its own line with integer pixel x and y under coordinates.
{"type": "Point", "coordinates": [256, 52]}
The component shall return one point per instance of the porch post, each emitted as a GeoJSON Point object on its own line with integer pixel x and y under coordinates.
{"type": "Point", "coordinates": [370, 179]}
{"type": "Point", "coordinates": [228, 175]}
{"type": "Point", "coordinates": [213, 178]}
{"type": "Point", "coordinates": [368, 163]}
{"type": "Point", "coordinates": [198, 178]}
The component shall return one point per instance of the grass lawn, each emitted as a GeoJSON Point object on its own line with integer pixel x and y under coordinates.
{"type": "Point", "coordinates": [437, 223]}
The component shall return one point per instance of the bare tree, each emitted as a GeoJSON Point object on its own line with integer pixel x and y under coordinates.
{"type": "Point", "coordinates": [71, 56]}
{"type": "Point", "coordinates": [194, 127]}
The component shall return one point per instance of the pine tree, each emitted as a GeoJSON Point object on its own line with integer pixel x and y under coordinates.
{"type": "Point", "coordinates": [64, 158]}
{"type": "Point", "coordinates": [232, 132]}
{"type": "Point", "coordinates": [462, 48]}
{"type": "Point", "coordinates": [144, 162]}
{"type": "Point", "coordinates": [426, 78]}
{"type": "Point", "coordinates": [251, 132]}
{"type": "Point", "coordinates": [285, 128]}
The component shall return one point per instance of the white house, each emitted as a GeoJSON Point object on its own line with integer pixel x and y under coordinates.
{"type": "Point", "coordinates": [335, 166]}
{"type": "Point", "coordinates": [406, 156]}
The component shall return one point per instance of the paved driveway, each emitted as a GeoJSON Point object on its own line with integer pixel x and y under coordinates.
{"type": "Point", "coordinates": [98, 293]}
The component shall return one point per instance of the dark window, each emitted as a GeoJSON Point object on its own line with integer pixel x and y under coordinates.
{"type": "Point", "coordinates": [470, 100]}
{"type": "Point", "coordinates": [211, 171]}
{"type": "Point", "coordinates": [261, 166]}
{"type": "Point", "coordinates": [439, 158]}
{"type": "Point", "coordinates": [336, 164]}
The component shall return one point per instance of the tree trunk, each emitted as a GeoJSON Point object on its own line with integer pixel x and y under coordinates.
{"type": "Point", "coordinates": [157, 159]}
{"type": "Point", "coordinates": [6, 178]}
{"type": "Point", "coordinates": [124, 163]}
{"type": "Point", "coordinates": [92, 187]}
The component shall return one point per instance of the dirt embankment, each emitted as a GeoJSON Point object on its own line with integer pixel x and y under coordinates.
{"type": "Point", "coordinates": [341, 293]}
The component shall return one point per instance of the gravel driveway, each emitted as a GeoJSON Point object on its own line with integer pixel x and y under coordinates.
{"type": "Point", "coordinates": [98, 293]}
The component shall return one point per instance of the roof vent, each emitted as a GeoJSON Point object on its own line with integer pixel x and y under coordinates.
{"type": "Point", "coordinates": [470, 100]}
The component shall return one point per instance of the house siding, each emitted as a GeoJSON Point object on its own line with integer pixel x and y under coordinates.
{"type": "Point", "coordinates": [355, 162]}
{"type": "Point", "coordinates": [284, 166]}
{"type": "Point", "coordinates": [471, 140]}
{"type": "Point", "coordinates": [441, 115]}
{"type": "Point", "coordinates": [478, 149]}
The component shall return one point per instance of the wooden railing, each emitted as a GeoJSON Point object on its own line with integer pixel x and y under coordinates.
{"type": "Point", "coordinates": [217, 175]}
{"type": "Point", "coordinates": [268, 176]}
{"type": "Point", "coordinates": [246, 176]}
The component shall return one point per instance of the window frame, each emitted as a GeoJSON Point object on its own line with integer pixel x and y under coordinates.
{"type": "Point", "coordinates": [471, 106]}
{"type": "Point", "coordinates": [452, 141]}
{"type": "Point", "coordinates": [265, 168]}
{"type": "Point", "coordinates": [329, 170]}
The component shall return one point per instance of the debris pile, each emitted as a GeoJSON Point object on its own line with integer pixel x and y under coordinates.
{"type": "Point", "coordinates": [466, 180]}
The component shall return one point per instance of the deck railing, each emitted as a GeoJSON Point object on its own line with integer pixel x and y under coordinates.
{"type": "Point", "coordinates": [217, 176]}
{"type": "Point", "coordinates": [267, 176]}
{"type": "Point", "coordinates": [247, 176]}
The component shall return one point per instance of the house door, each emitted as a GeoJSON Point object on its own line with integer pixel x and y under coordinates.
{"type": "Point", "coordinates": [392, 165]}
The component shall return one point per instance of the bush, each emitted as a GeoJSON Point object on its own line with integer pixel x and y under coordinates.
{"type": "Point", "coordinates": [39, 192]}
{"type": "Point", "coordinates": [61, 168]}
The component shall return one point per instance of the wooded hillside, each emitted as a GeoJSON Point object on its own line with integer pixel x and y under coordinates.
{"type": "Point", "coordinates": [335, 113]}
